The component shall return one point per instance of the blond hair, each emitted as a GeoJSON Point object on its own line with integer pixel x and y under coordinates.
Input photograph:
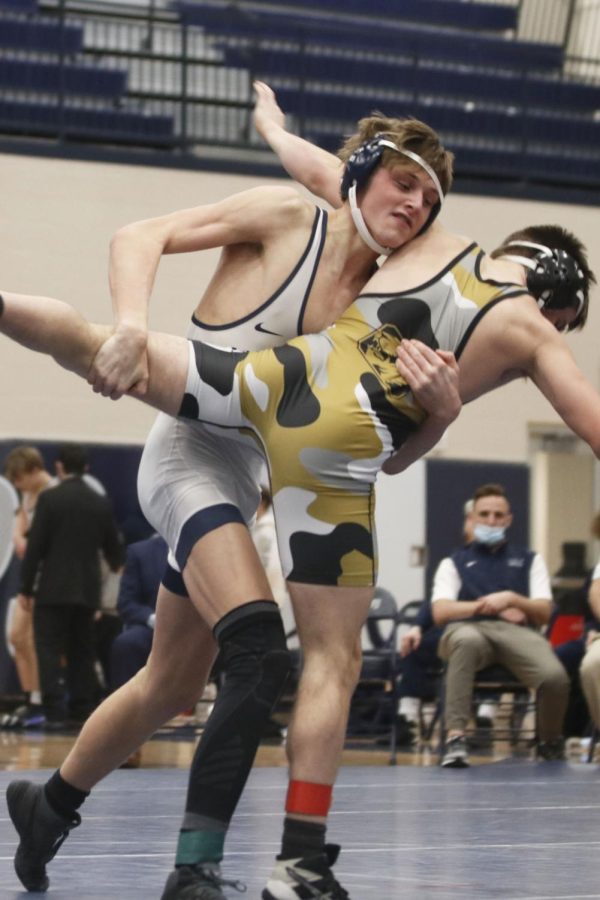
{"type": "Point", "coordinates": [22, 461]}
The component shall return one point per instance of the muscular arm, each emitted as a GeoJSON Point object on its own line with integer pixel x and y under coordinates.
{"type": "Point", "coordinates": [253, 216]}
{"type": "Point", "coordinates": [557, 375]}
{"type": "Point", "coordinates": [445, 605]}
{"type": "Point", "coordinates": [319, 171]}
{"type": "Point", "coordinates": [528, 344]}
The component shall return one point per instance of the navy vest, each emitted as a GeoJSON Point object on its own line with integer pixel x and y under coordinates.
{"type": "Point", "coordinates": [483, 571]}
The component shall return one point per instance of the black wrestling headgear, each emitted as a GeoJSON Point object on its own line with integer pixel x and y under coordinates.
{"type": "Point", "coordinates": [554, 277]}
{"type": "Point", "coordinates": [360, 166]}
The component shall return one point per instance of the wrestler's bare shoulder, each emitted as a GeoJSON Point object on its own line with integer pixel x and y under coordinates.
{"type": "Point", "coordinates": [284, 203]}
{"type": "Point", "coordinates": [419, 261]}
{"type": "Point", "coordinates": [503, 346]}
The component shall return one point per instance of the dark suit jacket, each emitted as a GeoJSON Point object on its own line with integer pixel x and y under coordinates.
{"type": "Point", "coordinates": [144, 567]}
{"type": "Point", "coordinates": [72, 525]}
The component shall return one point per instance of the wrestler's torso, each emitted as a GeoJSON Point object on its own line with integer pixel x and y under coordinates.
{"type": "Point", "coordinates": [360, 349]}
{"type": "Point", "coordinates": [267, 318]}
{"type": "Point", "coordinates": [296, 282]}
{"type": "Point", "coordinates": [276, 295]}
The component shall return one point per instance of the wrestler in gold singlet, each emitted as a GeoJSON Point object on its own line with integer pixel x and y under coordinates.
{"type": "Point", "coordinates": [331, 408]}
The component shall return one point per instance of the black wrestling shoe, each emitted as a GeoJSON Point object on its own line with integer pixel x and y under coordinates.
{"type": "Point", "coordinates": [199, 882]}
{"type": "Point", "coordinates": [41, 830]}
{"type": "Point", "coordinates": [306, 878]}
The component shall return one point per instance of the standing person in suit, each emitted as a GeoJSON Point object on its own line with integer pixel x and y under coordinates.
{"type": "Point", "coordinates": [73, 525]}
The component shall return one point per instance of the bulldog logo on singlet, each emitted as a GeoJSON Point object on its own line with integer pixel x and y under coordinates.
{"type": "Point", "coordinates": [379, 350]}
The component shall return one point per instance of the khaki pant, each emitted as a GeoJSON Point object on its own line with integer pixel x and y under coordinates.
{"type": "Point", "coordinates": [467, 647]}
{"type": "Point", "coordinates": [589, 673]}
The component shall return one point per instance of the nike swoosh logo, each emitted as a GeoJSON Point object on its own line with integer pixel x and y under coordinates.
{"type": "Point", "coordinates": [473, 562]}
{"type": "Point", "coordinates": [260, 328]}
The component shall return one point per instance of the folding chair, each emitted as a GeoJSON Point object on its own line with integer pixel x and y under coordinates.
{"type": "Point", "coordinates": [499, 679]}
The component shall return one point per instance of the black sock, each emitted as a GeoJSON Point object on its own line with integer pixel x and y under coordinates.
{"type": "Point", "coordinates": [62, 796]}
{"type": "Point", "coordinates": [302, 838]}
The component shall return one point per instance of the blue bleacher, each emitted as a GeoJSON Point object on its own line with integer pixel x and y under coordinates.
{"type": "Point", "coordinates": [446, 115]}
{"type": "Point", "coordinates": [40, 35]}
{"type": "Point", "coordinates": [56, 73]}
{"type": "Point", "coordinates": [501, 86]}
{"type": "Point", "coordinates": [379, 35]}
{"type": "Point", "coordinates": [504, 162]}
{"type": "Point", "coordinates": [19, 6]}
{"type": "Point", "coordinates": [99, 125]}
{"type": "Point", "coordinates": [449, 13]}
{"type": "Point", "coordinates": [82, 80]}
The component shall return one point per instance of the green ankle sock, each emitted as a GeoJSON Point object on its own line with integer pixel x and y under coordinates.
{"type": "Point", "coordinates": [198, 847]}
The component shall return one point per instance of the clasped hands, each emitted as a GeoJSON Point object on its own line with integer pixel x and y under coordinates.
{"type": "Point", "coordinates": [500, 604]}
{"type": "Point", "coordinates": [432, 376]}
{"type": "Point", "coordinates": [121, 364]}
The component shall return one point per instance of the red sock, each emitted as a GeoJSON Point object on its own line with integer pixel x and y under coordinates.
{"type": "Point", "coordinates": [305, 798]}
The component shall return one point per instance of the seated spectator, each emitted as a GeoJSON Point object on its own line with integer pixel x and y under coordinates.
{"type": "Point", "coordinates": [492, 597]}
{"type": "Point", "coordinates": [418, 647]}
{"type": "Point", "coordinates": [572, 584]}
{"type": "Point", "coordinates": [589, 671]}
{"type": "Point", "coordinates": [136, 603]}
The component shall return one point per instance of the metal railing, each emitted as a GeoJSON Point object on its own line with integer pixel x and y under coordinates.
{"type": "Point", "coordinates": [202, 81]}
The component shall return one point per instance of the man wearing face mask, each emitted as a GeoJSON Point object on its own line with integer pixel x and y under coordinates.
{"type": "Point", "coordinates": [493, 597]}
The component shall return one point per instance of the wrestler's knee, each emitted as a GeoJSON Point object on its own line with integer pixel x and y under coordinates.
{"type": "Point", "coordinates": [332, 669]}
{"type": "Point", "coordinates": [254, 650]}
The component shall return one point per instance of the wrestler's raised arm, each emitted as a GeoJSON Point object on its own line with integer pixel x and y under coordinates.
{"type": "Point", "coordinates": [319, 171]}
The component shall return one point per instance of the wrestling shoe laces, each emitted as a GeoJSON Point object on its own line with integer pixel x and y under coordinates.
{"type": "Point", "coordinates": [198, 882]}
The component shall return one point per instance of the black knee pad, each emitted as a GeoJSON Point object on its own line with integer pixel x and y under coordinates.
{"type": "Point", "coordinates": [253, 651]}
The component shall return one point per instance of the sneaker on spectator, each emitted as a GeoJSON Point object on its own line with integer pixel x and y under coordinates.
{"type": "Point", "coordinates": [199, 882]}
{"type": "Point", "coordinates": [41, 829]}
{"type": "Point", "coordinates": [303, 878]}
{"type": "Point", "coordinates": [551, 750]}
{"type": "Point", "coordinates": [26, 716]}
{"type": "Point", "coordinates": [455, 753]}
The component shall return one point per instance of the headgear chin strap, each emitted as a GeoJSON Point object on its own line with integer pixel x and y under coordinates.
{"type": "Point", "coordinates": [361, 165]}
{"type": "Point", "coordinates": [553, 276]}
{"type": "Point", "coordinates": [361, 225]}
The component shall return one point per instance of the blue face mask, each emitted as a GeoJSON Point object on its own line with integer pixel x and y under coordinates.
{"type": "Point", "coordinates": [489, 534]}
